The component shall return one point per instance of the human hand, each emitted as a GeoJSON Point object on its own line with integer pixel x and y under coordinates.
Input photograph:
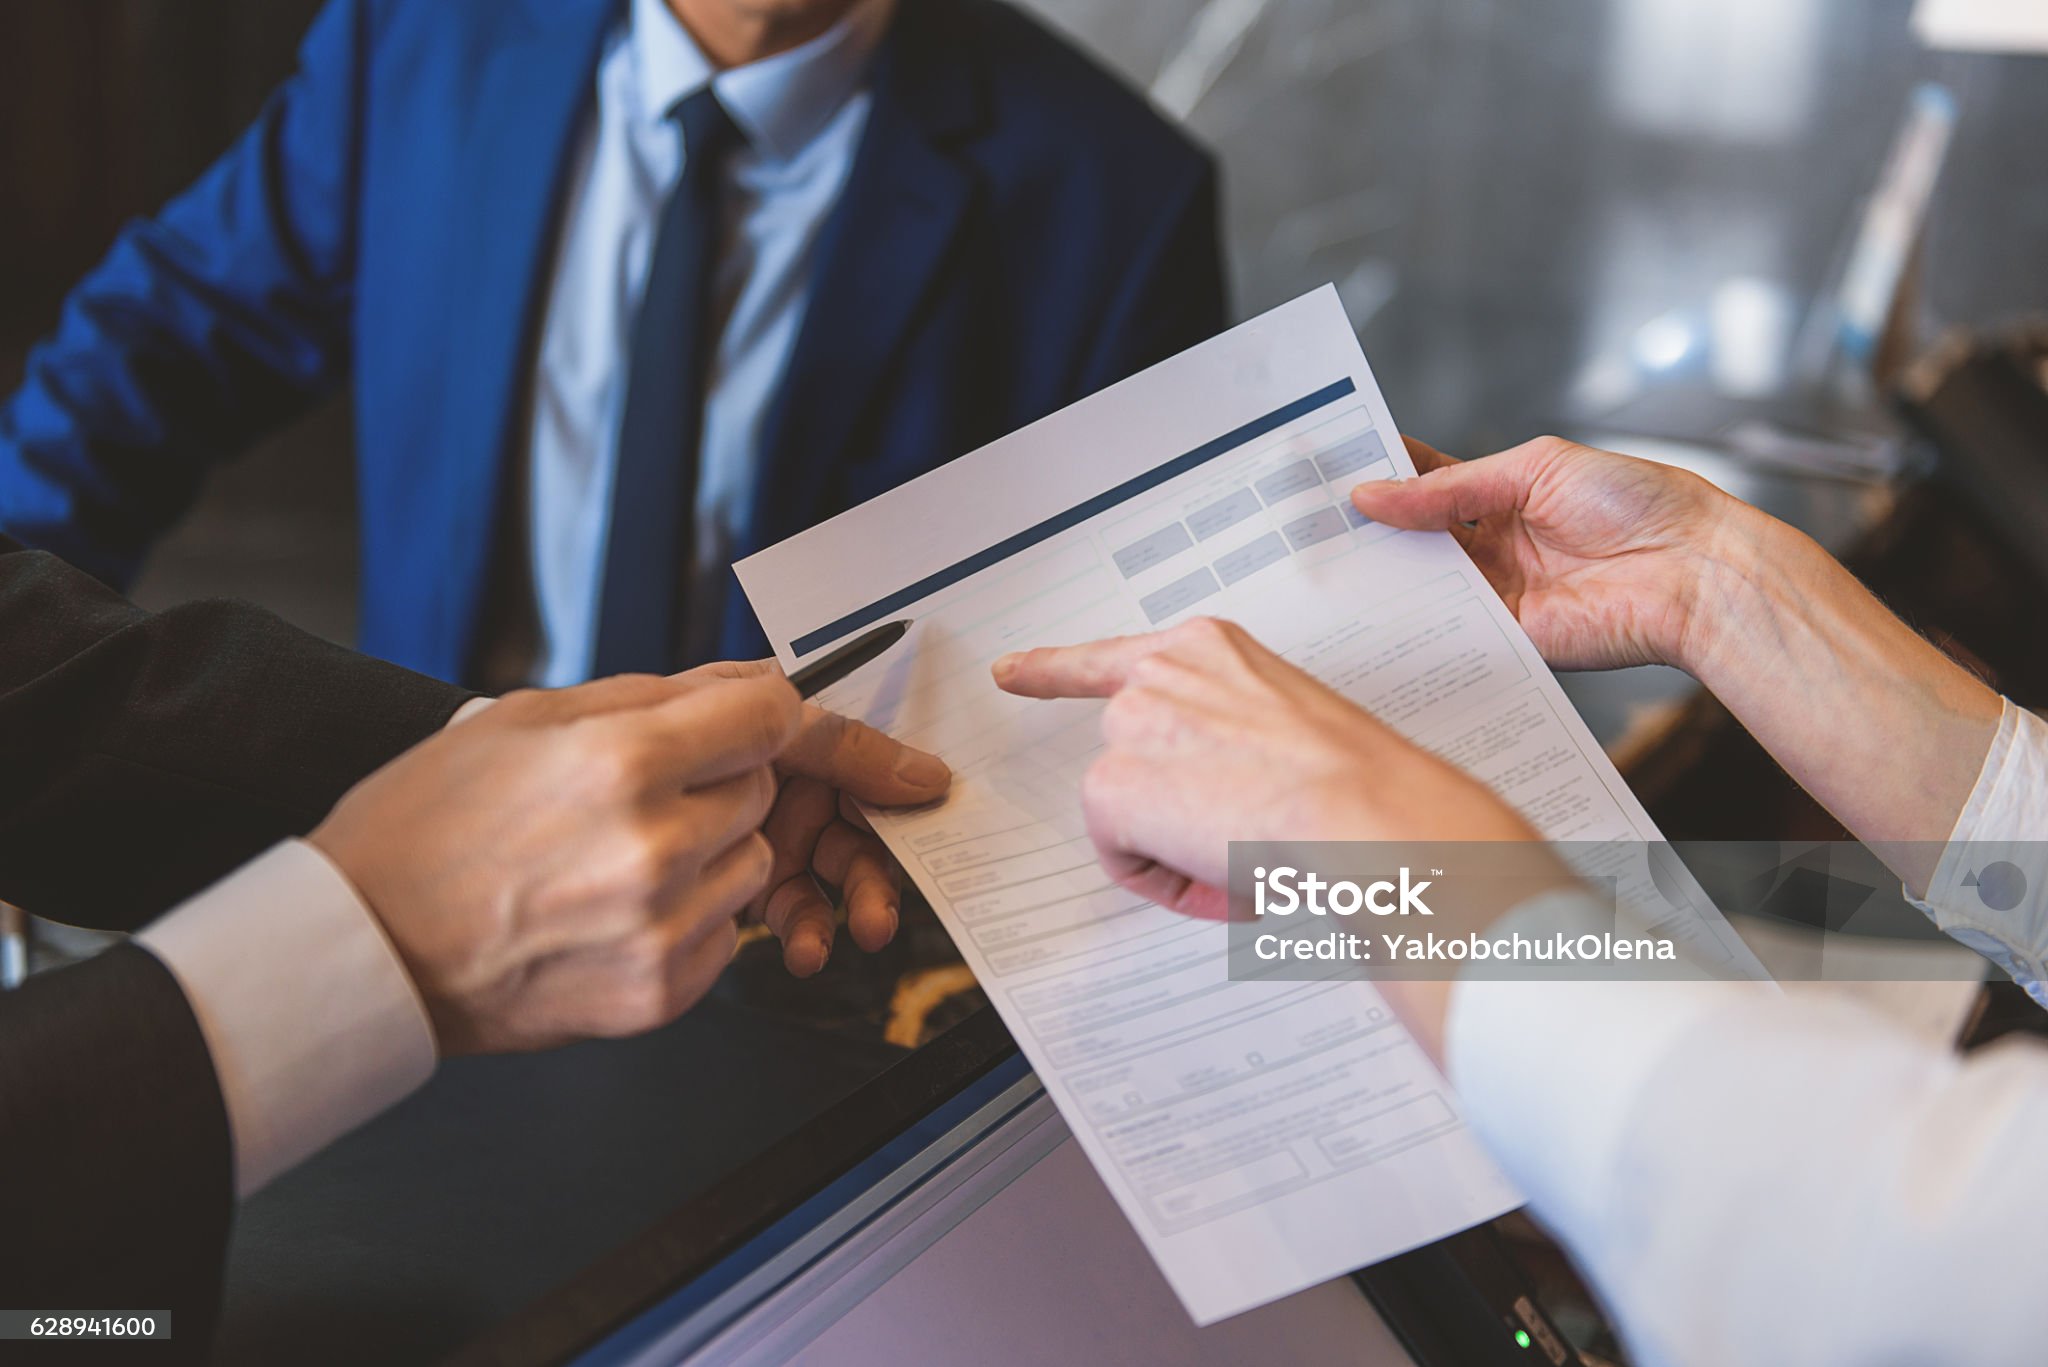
{"type": "Point", "coordinates": [571, 863]}
{"type": "Point", "coordinates": [1210, 737]}
{"type": "Point", "coordinates": [815, 828]}
{"type": "Point", "coordinates": [1606, 560]}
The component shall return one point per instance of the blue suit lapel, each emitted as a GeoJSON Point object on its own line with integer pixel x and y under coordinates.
{"type": "Point", "coordinates": [530, 99]}
{"type": "Point", "coordinates": [905, 199]}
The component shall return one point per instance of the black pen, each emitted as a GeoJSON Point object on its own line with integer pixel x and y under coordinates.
{"type": "Point", "coordinates": [830, 668]}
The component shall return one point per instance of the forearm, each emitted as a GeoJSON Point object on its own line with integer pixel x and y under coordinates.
{"type": "Point", "coordinates": [193, 739]}
{"type": "Point", "coordinates": [1882, 729]}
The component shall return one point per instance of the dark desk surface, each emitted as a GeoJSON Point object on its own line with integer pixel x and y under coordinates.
{"type": "Point", "coordinates": [505, 1177]}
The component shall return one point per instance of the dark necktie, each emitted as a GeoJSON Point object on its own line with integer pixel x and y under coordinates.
{"type": "Point", "coordinates": [648, 554]}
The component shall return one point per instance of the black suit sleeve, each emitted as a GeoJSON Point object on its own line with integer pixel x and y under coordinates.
{"type": "Point", "coordinates": [115, 1162]}
{"type": "Point", "coordinates": [143, 756]}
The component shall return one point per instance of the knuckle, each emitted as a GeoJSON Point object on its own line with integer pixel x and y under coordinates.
{"type": "Point", "coordinates": [605, 764]}
{"type": "Point", "coordinates": [645, 856]}
{"type": "Point", "coordinates": [780, 712]}
{"type": "Point", "coordinates": [1130, 711]}
{"type": "Point", "coordinates": [650, 1003]}
{"type": "Point", "coordinates": [1211, 641]}
{"type": "Point", "coordinates": [776, 905]}
{"type": "Point", "coordinates": [869, 750]}
{"type": "Point", "coordinates": [636, 756]}
{"type": "Point", "coordinates": [756, 860]}
{"type": "Point", "coordinates": [1153, 671]}
{"type": "Point", "coordinates": [832, 726]}
{"type": "Point", "coordinates": [725, 941]}
{"type": "Point", "coordinates": [1101, 787]}
{"type": "Point", "coordinates": [678, 988]}
{"type": "Point", "coordinates": [762, 790]}
{"type": "Point", "coordinates": [639, 1002]}
{"type": "Point", "coordinates": [644, 948]}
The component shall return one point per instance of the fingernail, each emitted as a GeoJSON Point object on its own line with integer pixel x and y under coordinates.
{"type": "Point", "coordinates": [923, 770]}
{"type": "Point", "coordinates": [809, 952]}
{"type": "Point", "coordinates": [878, 925]}
{"type": "Point", "coordinates": [1004, 667]}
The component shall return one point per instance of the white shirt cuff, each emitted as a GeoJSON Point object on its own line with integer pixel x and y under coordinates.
{"type": "Point", "coordinates": [2004, 822]}
{"type": "Point", "coordinates": [308, 1013]}
{"type": "Point", "coordinates": [1548, 1072]}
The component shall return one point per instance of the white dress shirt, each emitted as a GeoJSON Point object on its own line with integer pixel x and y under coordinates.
{"type": "Point", "coordinates": [802, 113]}
{"type": "Point", "coordinates": [1749, 1177]}
{"type": "Point", "coordinates": [308, 1013]}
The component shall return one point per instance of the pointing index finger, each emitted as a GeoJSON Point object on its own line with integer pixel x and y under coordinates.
{"type": "Point", "coordinates": [1094, 670]}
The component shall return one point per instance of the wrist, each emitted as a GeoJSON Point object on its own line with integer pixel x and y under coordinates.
{"type": "Point", "coordinates": [1745, 568]}
{"type": "Point", "coordinates": [332, 1029]}
{"type": "Point", "coordinates": [352, 861]}
{"type": "Point", "coordinates": [334, 843]}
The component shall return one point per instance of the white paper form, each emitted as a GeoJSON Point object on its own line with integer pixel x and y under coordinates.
{"type": "Point", "coordinates": [1261, 1136]}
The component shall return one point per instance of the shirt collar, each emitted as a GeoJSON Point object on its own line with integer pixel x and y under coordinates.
{"type": "Point", "coordinates": [782, 102]}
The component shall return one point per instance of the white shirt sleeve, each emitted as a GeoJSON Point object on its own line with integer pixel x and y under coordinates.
{"type": "Point", "coordinates": [1754, 1178]}
{"type": "Point", "coordinates": [312, 1022]}
{"type": "Point", "coordinates": [1990, 889]}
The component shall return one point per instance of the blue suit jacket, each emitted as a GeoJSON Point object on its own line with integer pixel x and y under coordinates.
{"type": "Point", "coordinates": [1018, 230]}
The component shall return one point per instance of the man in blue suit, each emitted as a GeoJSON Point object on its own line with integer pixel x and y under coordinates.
{"type": "Point", "coordinates": [626, 289]}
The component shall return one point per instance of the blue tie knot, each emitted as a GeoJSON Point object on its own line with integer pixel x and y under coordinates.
{"type": "Point", "coordinates": [708, 131]}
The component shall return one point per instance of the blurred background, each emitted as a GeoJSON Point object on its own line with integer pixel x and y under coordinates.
{"type": "Point", "coordinates": [1535, 212]}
